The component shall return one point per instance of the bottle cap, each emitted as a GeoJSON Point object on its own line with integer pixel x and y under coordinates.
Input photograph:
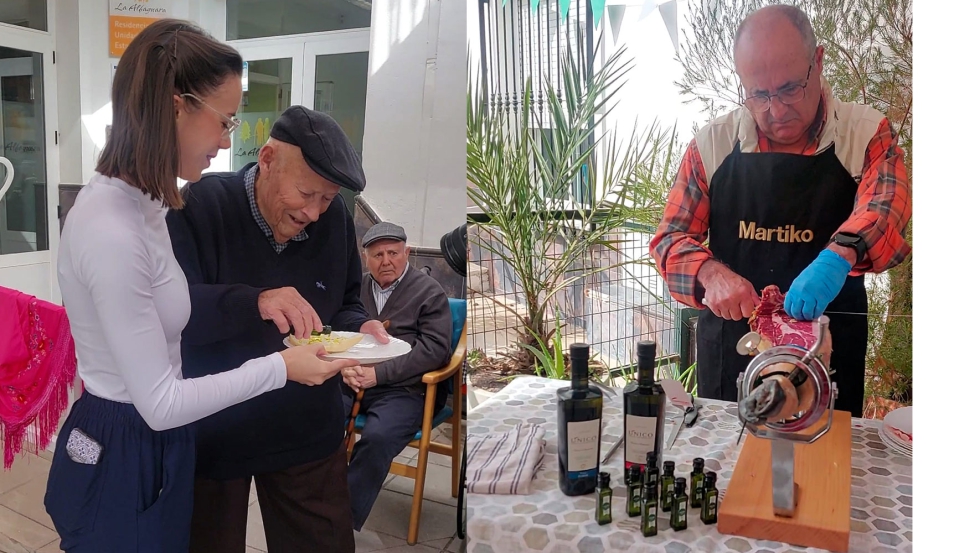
{"type": "Point", "coordinates": [579, 351]}
{"type": "Point", "coordinates": [698, 464]}
{"type": "Point", "coordinates": [603, 479]}
{"type": "Point", "coordinates": [668, 468]}
{"type": "Point", "coordinates": [710, 478]}
{"type": "Point", "coordinates": [651, 458]}
{"type": "Point", "coordinates": [651, 490]}
{"type": "Point", "coordinates": [680, 485]}
{"type": "Point", "coordinates": [646, 349]}
{"type": "Point", "coordinates": [634, 473]}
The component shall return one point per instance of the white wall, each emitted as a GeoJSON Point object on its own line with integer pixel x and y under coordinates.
{"type": "Point", "coordinates": [415, 126]}
{"type": "Point", "coordinates": [84, 73]}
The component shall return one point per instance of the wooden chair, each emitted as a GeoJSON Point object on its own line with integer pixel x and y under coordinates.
{"type": "Point", "coordinates": [451, 412]}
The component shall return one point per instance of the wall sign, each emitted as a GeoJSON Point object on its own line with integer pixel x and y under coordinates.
{"type": "Point", "coordinates": [128, 17]}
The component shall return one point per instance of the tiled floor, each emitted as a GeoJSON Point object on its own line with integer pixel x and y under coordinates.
{"type": "Point", "coordinates": [26, 528]}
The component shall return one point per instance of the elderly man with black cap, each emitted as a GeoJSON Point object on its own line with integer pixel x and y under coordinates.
{"type": "Point", "coordinates": [417, 310]}
{"type": "Point", "coordinates": [268, 251]}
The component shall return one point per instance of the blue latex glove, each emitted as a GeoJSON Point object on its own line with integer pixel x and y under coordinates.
{"type": "Point", "coordinates": [817, 286]}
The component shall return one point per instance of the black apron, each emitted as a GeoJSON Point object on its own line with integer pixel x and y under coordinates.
{"type": "Point", "coordinates": [771, 215]}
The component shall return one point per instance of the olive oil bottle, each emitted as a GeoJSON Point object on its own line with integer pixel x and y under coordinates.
{"type": "Point", "coordinates": [667, 487]}
{"type": "Point", "coordinates": [697, 482]}
{"type": "Point", "coordinates": [709, 504]}
{"type": "Point", "coordinates": [634, 490]}
{"type": "Point", "coordinates": [603, 500]}
{"type": "Point", "coordinates": [678, 511]}
{"type": "Point", "coordinates": [644, 401]}
{"type": "Point", "coordinates": [650, 511]}
{"type": "Point", "coordinates": [579, 423]}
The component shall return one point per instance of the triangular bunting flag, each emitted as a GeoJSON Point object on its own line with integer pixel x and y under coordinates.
{"type": "Point", "coordinates": [563, 6]}
{"type": "Point", "coordinates": [648, 8]}
{"type": "Point", "coordinates": [534, 5]}
{"type": "Point", "coordinates": [616, 14]}
{"type": "Point", "coordinates": [668, 10]}
{"type": "Point", "coordinates": [597, 7]}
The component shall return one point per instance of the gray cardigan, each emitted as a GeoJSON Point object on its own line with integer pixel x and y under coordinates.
{"type": "Point", "coordinates": [418, 311]}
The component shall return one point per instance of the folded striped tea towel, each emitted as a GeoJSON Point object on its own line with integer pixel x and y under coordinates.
{"type": "Point", "coordinates": [504, 463]}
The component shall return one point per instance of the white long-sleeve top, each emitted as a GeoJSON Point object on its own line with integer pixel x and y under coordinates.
{"type": "Point", "coordinates": [127, 302]}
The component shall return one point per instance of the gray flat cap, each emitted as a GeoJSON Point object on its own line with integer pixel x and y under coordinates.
{"type": "Point", "coordinates": [383, 231]}
{"type": "Point", "coordinates": [325, 147]}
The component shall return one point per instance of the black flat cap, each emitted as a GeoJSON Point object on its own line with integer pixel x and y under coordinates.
{"type": "Point", "coordinates": [383, 231]}
{"type": "Point", "coordinates": [325, 147]}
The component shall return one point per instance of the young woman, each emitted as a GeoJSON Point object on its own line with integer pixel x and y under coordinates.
{"type": "Point", "coordinates": [123, 471]}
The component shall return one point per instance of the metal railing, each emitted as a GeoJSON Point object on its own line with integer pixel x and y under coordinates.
{"type": "Point", "coordinates": [610, 310]}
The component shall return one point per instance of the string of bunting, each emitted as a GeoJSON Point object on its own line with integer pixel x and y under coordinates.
{"type": "Point", "coordinates": [617, 9]}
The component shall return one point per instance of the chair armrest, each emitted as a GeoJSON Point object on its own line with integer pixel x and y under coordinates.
{"type": "Point", "coordinates": [455, 362]}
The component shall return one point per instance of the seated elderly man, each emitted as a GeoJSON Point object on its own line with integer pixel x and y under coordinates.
{"type": "Point", "coordinates": [417, 310]}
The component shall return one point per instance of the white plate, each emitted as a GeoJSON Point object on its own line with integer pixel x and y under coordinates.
{"type": "Point", "coordinates": [901, 420]}
{"type": "Point", "coordinates": [892, 443]}
{"type": "Point", "coordinates": [368, 351]}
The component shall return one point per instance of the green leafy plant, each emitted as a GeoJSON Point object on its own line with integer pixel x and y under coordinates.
{"type": "Point", "coordinates": [523, 168]}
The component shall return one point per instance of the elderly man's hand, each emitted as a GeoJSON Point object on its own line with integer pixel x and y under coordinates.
{"type": "Point", "coordinates": [361, 378]}
{"type": "Point", "coordinates": [351, 376]}
{"type": "Point", "coordinates": [817, 286]}
{"type": "Point", "coordinates": [727, 294]}
{"type": "Point", "coordinates": [376, 329]}
{"type": "Point", "coordinates": [286, 308]}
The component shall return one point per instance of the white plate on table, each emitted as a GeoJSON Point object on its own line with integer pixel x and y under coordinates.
{"type": "Point", "coordinates": [896, 430]}
{"type": "Point", "coordinates": [368, 351]}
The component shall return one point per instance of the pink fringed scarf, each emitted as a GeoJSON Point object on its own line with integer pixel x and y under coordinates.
{"type": "Point", "coordinates": [37, 370]}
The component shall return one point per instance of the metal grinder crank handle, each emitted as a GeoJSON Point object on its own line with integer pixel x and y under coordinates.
{"type": "Point", "coordinates": [777, 397]}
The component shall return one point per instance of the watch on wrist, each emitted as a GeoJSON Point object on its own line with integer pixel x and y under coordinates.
{"type": "Point", "coordinates": [849, 240]}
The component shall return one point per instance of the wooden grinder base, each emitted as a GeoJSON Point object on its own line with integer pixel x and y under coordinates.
{"type": "Point", "coordinates": [822, 472]}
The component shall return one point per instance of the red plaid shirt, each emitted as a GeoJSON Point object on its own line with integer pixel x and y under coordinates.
{"type": "Point", "coordinates": [881, 213]}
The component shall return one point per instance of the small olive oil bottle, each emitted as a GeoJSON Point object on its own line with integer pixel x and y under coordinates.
{"type": "Point", "coordinates": [678, 511]}
{"type": "Point", "coordinates": [652, 472]}
{"type": "Point", "coordinates": [634, 490]}
{"type": "Point", "coordinates": [709, 504]}
{"type": "Point", "coordinates": [697, 482]}
{"type": "Point", "coordinates": [603, 500]}
{"type": "Point", "coordinates": [650, 510]}
{"type": "Point", "coordinates": [667, 486]}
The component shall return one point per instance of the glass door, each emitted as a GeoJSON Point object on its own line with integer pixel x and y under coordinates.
{"type": "Point", "coordinates": [323, 71]}
{"type": "Point", "coordinates": [28, 159]}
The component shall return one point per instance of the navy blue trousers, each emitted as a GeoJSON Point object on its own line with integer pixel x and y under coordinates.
{"type": "Point", "coordinates": [394, 415]}
{"type": "Point", "coordinates": [140, 495]}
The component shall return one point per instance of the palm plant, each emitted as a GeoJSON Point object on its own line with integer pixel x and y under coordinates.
{"type": "Point", "coordinates": [522, 168]}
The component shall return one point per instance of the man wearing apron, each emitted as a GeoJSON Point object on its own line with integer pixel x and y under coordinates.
{"type": "Point", "coordinates": [795, 188]}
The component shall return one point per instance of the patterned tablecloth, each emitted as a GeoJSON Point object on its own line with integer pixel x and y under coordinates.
{"type": "Point", "coordinates": [548, 521]}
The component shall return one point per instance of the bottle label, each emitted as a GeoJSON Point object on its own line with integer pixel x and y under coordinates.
{"type": "Point", "coordinates": [712, 505]}
{"type": "Point", "coordinates": [641, 436]}
{"type": "Point", "coordinates": [583, 446]}
{"type": "Point", "coordinates": [681, 514]}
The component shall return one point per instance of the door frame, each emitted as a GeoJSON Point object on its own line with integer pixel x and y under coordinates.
{"type": "Point", "coordinates": [43, 43]}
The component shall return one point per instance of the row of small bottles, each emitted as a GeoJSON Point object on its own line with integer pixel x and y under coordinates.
{"type": "Point", "coordinates": [643, 498]}
{"type": "Point", "coordinates": [580, 421]}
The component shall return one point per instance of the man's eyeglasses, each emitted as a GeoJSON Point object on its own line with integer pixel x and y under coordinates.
{"type": "Point", "coordinates": [230, 123]}
{"type": "Point", "coordinates": [760, 103]}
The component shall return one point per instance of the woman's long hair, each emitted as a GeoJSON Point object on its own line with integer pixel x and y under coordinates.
{"type": "Point", "coordinates": [169, 57]}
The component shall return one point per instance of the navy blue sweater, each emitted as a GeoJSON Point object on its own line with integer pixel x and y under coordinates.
{"type": "Point", "coordinates": [228, 262]}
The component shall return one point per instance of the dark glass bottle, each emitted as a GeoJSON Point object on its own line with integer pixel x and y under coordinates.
{"type": "Point", "coordinates": [678, 511]}
{"type": "Point", "coordinates": [709, 503]}
{"type": "Point", "coordinates": [644, 401]}
{"type": "Point", "coordinates": [603, 500]}
{"type": "Point", "coordinates": [667, 486]}
{"type": "Point", "coordinates": [652, 472]}
{"type": "Point", "coordinates": [579, 423]}
{"type": "Point", "coordinates": [634, 491]}
{"type": "Point", "coordinates": [697, 482]}
{"type": "Point", "coordinates": [649, 512]}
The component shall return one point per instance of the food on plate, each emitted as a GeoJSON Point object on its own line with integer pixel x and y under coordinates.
{"type": "Point", "coordinates": [332, 341]}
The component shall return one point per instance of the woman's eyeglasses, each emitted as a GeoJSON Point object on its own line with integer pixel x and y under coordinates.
{"type": "Point", "coordinates": [230, 123]}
